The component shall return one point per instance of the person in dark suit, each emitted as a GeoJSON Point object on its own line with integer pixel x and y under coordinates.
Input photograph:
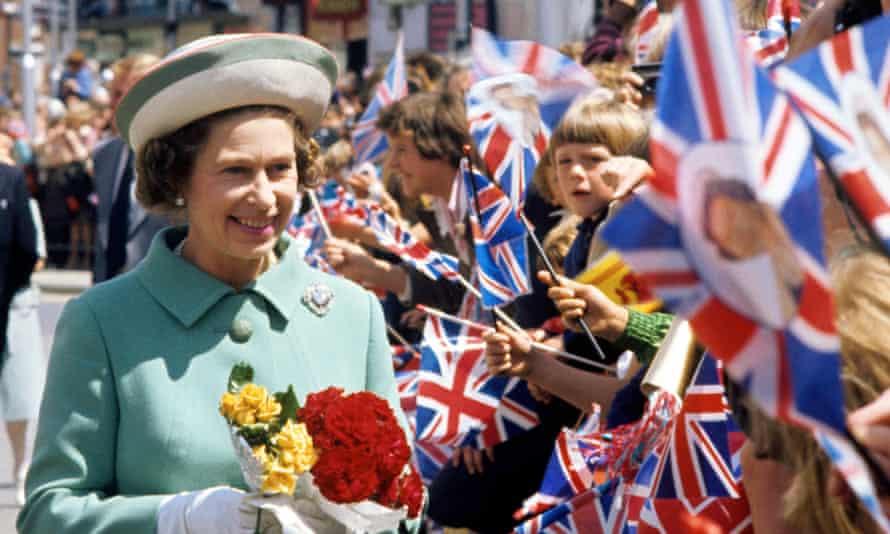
{"type": "Point", "coordinates": [124, 230]}
{"type": "Point", "coordinates": [18, 241]}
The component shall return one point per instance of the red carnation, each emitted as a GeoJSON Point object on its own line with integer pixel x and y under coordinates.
{"type": "Point", "coordinates": [411, 493]}
{"type": "Point", "coordinates": [362, 450]}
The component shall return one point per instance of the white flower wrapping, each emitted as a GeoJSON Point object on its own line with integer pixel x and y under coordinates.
{"type": "Point", "coordinates": [310, 512]}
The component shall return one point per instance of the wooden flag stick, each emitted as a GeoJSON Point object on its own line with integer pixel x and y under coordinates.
{"type": "Point", "coordinates": [313, 199]}
{"type": "Point", "coordinates": [581, 322]}
{"type": "Point", "coordinates": [499, 313]}
{"type": "Point", "coordinates": [535, 344]}
{"type": "Point", "coordinates": [398, 337]}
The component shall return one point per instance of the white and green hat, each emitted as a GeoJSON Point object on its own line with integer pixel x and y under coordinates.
{"type": "Point", "coordinates": [228, 71]}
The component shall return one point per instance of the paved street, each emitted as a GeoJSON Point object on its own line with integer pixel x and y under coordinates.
{"type": "Point", "coordinates": [56, 288]}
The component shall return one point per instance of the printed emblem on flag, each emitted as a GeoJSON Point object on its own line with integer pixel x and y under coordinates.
{"type": "Point", "coordinates": [615, 279]}
{"type": "Point", "coordinates": [843, 91]}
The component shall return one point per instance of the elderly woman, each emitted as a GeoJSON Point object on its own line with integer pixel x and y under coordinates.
{"type": "Point", "coordinates": [130, 438]}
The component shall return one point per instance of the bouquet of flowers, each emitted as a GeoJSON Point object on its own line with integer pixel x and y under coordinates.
{"type": "Point", "coordinates": [347, 451]}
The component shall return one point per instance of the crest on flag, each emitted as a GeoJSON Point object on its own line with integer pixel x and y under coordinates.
{"type": "Point", "coordinates": [761, 303]}
{"type": "Point", "coordinates": [506, 124]}
{"type": "Point", "coordinates": [560, 79]}
{"type": "Point", "coordinates": [842, 89]}
{"type": "Point", "coordinates": [368, 142]}
{"type": "Point", "coordinates": [738, 252]}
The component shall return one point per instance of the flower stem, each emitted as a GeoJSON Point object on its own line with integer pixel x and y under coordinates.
{"type": "Point", "coordinates": [256, 529]}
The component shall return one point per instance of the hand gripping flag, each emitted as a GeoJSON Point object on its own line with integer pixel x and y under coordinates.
{"type": "Point", "coordinates": [646, 31]}
{"type": "Point", "coordinates": [560, 79]}
{"type": "Point", "coordinates": [843, 90]}
{"type": "Point", "coordinates": [400, 242]}
{"type": "Point", "coordinates": [506, 124]}
{"type": "Point", "coordinates": [457, 398]}
{"type": "Point", "coordinates": [368, 142]}
{"type": "Point", "coordinates": [771, 43]}
{"type": "Point", "coordinates": [729, 233]}
{"type": "Point", "coordinates": [500, 241]}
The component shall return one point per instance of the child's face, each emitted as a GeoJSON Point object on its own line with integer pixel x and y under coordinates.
{"type": "Point", "coordinates": [579, 175]}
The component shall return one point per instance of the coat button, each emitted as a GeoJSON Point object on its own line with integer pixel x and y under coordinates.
{"type": "Point", "coordinates": [241, 330]}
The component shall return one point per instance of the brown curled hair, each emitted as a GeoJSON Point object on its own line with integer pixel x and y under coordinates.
{"type": "Point", "coordinates": [165, 164]}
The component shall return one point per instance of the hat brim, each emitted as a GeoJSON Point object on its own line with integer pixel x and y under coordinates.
{"type": "Point", "coordinates": [226, 72]}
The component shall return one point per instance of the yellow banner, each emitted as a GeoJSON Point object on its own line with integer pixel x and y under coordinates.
{"type": "Point", "coordinates": [614, 278]}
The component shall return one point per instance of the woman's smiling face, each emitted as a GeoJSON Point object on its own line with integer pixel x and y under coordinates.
{"type": "Point", "coordinates": [241, 193]}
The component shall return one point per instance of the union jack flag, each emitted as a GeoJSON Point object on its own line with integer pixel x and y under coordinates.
{"type": "Point", "coordinates": [843, 90]}
{"type": "Point", "coordinates": [560, 79]}
{"type": "Point", "coordinates": [405, 358]}
{"type": "Point", "coordinates": [698, 462]}
{"type": "Point", "coordinates": [500, 241]}
{"type": "Point", "coordinates": [715, 515]}
{"type": "Point", "coordinates": [571, 470]}
{"type": "Point", "coordinates": [771, 43]}
{"type": "Point", "coordinates": [594, 511]}
{"type": "Point", "coordinates": [457, 398]}
{"type": "Point", "coordinates": [400, 242]}
{"type": "Point", "coordinates": [508, 130]}
{"type": "Point", "coordinates": [647, 24]}
{"type": "Point", "coordinates": [368, 142]}
{"type": "Point", "coordinates": [430, 458]}
{"type": "Point", "coordinates": [772, 312]}
{"type": "Point", "coordinates": [630, 452]}
{"type": "Point", "coordinates": [309, 236]}
{"type": "Point", "coordinates": [335, 201]}
{"type": "Point", "coordinates": [765, 307]}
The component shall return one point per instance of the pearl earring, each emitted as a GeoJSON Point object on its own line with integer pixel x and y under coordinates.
{"type": "Point", "coordinates": [180, 202]}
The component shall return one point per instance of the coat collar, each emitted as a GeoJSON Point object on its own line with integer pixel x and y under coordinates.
{"type": "Point", "coordinates": [188, 293]}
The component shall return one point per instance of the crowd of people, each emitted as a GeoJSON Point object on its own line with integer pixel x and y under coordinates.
{"type": "Point", "coordinates": [184, 204]}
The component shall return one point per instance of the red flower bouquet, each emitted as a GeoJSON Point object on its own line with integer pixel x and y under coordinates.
{"type": "Point", "coordinates": [362, 450]}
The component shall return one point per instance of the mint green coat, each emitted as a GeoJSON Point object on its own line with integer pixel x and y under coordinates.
{"type": "Point", "coordinates": [130, 412]}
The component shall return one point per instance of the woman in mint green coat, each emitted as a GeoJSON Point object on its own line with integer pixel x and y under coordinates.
{"type": "Point", "coordinates": [130, 439]}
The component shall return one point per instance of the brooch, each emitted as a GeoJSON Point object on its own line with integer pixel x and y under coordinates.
{"type": "Point", "coordinates": [318, 298]}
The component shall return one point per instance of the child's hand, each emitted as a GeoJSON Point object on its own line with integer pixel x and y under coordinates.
{"type": "Point", "coordinates": [574, 300]}
{"type": "Point", "coordinates": [625, 173]}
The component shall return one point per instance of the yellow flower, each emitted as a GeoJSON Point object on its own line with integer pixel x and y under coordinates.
{"type": "Point", "coordinates": [244, 415]}
{"type": "Point", "coordinates": [259, 452]}
{"type": "Point", "coordinates": [252, 395]}
{"type": "Point", "coordinates": [279, 480]}
{"type": "Point", "coordinates": [227, 405]}
{"type": "Point", "coordinates": [269, 410]}
{"type": "Point", "coordinates": [295, 446]}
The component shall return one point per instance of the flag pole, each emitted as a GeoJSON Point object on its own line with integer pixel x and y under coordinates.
{"type": "Point", "coordinates": [499, 313]}
{"type": "Point", "coordinates": [316, 207]}
{"type": "Point", "coordinates": [552, 270]}
{"type": "Point", "coordinates": [496, 310]}
{"type": "Point", "coordinates": [786, 19]}
{"type": "Point", "coordinates": [535, 344]}
{"type": "Point", "coordinates": [530, 231]}
{"type": "Point", "coordinates": [398, 337]}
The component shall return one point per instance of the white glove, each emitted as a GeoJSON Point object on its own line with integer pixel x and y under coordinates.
{"type": "Point", "coordinates": [225, 510]}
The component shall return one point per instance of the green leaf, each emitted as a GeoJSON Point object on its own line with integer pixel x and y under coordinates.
{"type": "Point", "coordinates": [242, 374]}
{"type": "Point", "coordinates": [289, 405]}
{"type": "Point", "coordinates": [254, 435]}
